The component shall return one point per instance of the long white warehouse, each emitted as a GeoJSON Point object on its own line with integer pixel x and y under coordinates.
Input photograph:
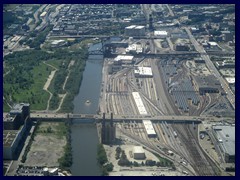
{"type": "Point", "coordinates": [139, 103]}
{"type": "Point", "coordinates": [143, 72]}
{"type": "Point", "coordinates": [149, 128]}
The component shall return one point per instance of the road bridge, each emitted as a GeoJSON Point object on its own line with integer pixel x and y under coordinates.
{"type": "Point", "coordinates": [120, 118]}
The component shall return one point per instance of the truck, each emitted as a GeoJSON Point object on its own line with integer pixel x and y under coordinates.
{"type": "Point", "coordinates": [175, 134]}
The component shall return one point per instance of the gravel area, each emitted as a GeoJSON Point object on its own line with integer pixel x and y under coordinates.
{"type": "Point", "coordinates": [47, 148]}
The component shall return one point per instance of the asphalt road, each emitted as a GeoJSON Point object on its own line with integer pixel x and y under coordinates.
{"type": "Point", "coordinates": [230, 96]}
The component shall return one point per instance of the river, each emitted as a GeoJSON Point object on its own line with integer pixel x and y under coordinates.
{"type": "Point", "coordinates": [84, 136]}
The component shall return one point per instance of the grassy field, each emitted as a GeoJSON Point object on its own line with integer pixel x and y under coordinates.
{"type": "Point", "coordinates": [25, 83]}
{"type": "Point", "coordinates": [55, 63]}
{"type": "Point", "coordinates": [6, 108]}
{"type": "Point", "coordinates": [36, 96]}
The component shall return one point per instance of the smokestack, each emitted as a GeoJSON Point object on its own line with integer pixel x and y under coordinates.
{"type": "Point", "coordinates": [111, 119]}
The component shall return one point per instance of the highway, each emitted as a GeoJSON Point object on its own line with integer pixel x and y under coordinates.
{"type": "Point", "coordinates": [230, 96]}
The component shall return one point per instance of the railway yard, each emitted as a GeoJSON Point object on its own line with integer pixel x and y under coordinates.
{"type": "Point", "coordinates": [169, 89]}
{"type": "Point", "coordinates": [175, 85]}
{"type": "Point", "coordinates": [164, 104]}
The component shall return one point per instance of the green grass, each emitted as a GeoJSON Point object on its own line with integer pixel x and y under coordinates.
{"type": "Point", "coordinates": [55, 63]}
{"type": "Point", "coordinates": [163, 160]}
{"type": "Point", "coordinates": [36, 96]}
{"type": "Point", "coordinates": [26, 82]}
{"type": "Point", "coordinates": [58, 129]}
{"type": "Point", "coordinates": [6, 108]}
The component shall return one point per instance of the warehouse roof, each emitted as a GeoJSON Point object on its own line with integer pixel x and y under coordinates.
{"type": "Point", "coordinates": [149, 127]}
{"type": "Point", "coordinates": [131, 27]}
{"type": "Point", "coordinates": [135, 27]}
{"type": "Point", "coordinates": [230, 80]}
{"type": "Point", "coordinates": [160, 33]}
{"type": "Point", "coordinates": [213, 43]}
{"type": "Point", "coordinates": [226, 137]}
{"type": "Point", "coordinates": [144, 71]}
{"type": "Point", "coordinates": [138, 149]}
{"type": "Point", "coordinates": [139, 103]}
{"type": "Point", "coordinates": [139, 27]}
{"type": "Point", "coordinates": [121, 57]}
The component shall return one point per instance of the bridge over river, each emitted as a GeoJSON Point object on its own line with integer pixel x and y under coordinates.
{"type": "Point", "coordinates": [120, 118]}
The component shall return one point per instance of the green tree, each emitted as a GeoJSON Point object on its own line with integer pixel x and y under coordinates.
{"type": "Point", "coordinates": [109, 167]}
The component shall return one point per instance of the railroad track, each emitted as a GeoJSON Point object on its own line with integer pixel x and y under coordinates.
{"type": "Point", "coordinates": [198, 160]}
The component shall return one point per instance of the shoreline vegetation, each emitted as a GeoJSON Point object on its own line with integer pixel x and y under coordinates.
{"type": "Point", "coordinates": [105, 166]}
{"type": "Point", "coordinates": [28, 74]}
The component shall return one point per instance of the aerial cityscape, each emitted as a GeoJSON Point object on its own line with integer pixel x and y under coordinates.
{"type": "Point", "coordinates": [119, 90]}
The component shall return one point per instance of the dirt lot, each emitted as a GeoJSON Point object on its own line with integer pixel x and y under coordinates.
{"type": "Point", "coordinates": [47, 146]}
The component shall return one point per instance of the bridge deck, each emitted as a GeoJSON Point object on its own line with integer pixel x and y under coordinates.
{"type": "Point", "coordinates": [120, 117]}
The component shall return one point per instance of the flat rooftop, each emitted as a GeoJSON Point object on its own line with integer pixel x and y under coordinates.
{"type": "Point", "coordinates": [144, 71]}
{"type": "Point", "coordinates": [17, 108]}
{"type": "Point", "coordinates": [8, 117]}
{"type": "Point", "coordinates": [123, 58]}
{"type": "Point", "coordinates": [230, 80]}
{"type": "Point", "coordinates": [160, 33]}
{"type": "Point", "coordinates": [139, 103]}
{"type": "Point", "coordinates": [226, 138]}
{"type": "Point", "coordinates": [138, 149]}
{"type": "Point", "coordinates": [207, 81]}
{"type": "Point", "coordinates": [149, 127]}
{"type": "Point", "coordinates": [8, 137]}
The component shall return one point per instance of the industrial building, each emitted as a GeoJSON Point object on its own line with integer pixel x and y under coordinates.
{"type": "Point", "coordinates": [199, 60]}
{"type": "Point", "coordinates": [108, 133]}
{"type": "Point", "coordinates": [58, 43]}
{"type": "Point", "coordinates": [134, 49]}
{"type": "Point", "coordinates": [135, 30]}
{"type": "Point", "coordinates": [11, 122]}
{"type": "Point", "coordinates": [161, 34]}
{"type": "Point", "coordinates": [123, 59]}
{"type": "Point", "coordinates": [207, 84]}
{"type": "Point", "coordinates": [15, 125]}
{"type": "Point", "coordinates": [139, 103]}
{"type": "Point", "coordinates": [138, 152]}
{"type": "Point", "coordinates": [143, 72]}
{"type": "Point", "coordinates": [149, 128]}
{"type": "Point", "coordinates": [225, 136]}
{"type": "Point", "coordinates": [182, 47]}
{"type": "Point", "coordinates": [225, 64]}
{"type": "Point", "coordinates": [19, 114]}
{"type": "Point", "coordinates": [230, 80]}
{"type": "Point", "coordinates": [11, 140]}
{"type": "Point", "coordinates": [227, 36]}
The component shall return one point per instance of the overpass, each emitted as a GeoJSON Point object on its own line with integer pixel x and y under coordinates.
{"type": "Point", "coordinates": [120, 118]}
